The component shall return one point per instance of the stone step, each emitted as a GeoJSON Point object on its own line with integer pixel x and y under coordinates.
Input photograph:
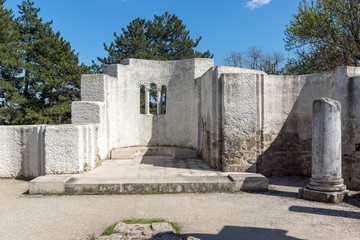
{"type": "Point", "coordinates": [84, 185]}
{"type": "Point", "coordinates": [133, 152]}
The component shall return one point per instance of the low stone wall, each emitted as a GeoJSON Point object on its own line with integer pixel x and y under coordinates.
{"type": "Point", "coordinates": [35, 150]}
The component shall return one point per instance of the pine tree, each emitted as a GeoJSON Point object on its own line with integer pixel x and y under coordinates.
{"type": "Point", "coordinates": [164, 38]}
{"type": "Point", "coordinates": [50, 72]}
{"type": "Point", "coordinates": [10, 66]}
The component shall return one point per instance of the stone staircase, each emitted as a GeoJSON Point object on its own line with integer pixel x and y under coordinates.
{"type": "Point", "coordinates": [133, 152]}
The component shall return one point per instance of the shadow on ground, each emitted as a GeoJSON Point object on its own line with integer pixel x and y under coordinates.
{"type": "Point", "coordinates": [285, 186]}
{"type": "Point", "coordinates": [326, 212]}
{"type": "Point", "coordinates": [290, 181]}
{"type": "Point", "coordinates": [244, 233]}
{"type": "Point", "coordinates": [354, 201]}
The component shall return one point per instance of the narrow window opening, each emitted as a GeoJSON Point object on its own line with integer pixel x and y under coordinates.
{"type": "Point", "coordinates": [163, 98]}
{"type": "Point", "coordinates": [142, 99]}
{"type": "Point", "coordinates": [153, 99]}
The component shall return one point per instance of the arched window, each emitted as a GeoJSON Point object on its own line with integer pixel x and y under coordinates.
{"type": "Point", "coordinates": [153, 99]}
{"type": "Point", "coordinates": [142, 99]}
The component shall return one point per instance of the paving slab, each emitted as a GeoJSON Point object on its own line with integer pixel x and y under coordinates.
{"type": "Point", "coordinates": [277, 214]}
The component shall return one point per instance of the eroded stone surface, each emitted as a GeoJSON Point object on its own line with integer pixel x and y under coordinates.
{"type": "Point", "coordinates": [122, 231]}
{"type": "Point", "coordinates": [119, 227]}
{"type": "Point", "coordinates": [326, 148]}
{"type": "Point", "coordinates": [320, 196]}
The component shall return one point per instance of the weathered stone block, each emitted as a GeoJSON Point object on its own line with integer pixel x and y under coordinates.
{"type": "Point", "coordinates": [50, 184]}
{"type": "Point", "coordinates": [87, 112]}
{"type": "Point", "coordinates": [328, 197]}
{"type": "Point", "coordinates": [249, 182]}
{"type": "Point", "coordinates": [69, 148]}
{"type": "Point", "coordinates": [93, 87]}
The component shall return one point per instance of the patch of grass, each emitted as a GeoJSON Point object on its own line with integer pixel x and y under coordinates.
{"type": "Point", "coordinates": [109, 230]}
{"type": "Point", "coordinates": [92, 237]}
{"type": "Point", "coordinates": [176, 227]}
{"type": "Point", "coordinates": [141, 221]}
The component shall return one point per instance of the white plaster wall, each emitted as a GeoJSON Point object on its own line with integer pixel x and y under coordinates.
{"type": "Point", "coordinates": [69, 148]}
{"type": "Point", "coordinates": [100, 96]}
{"type": "Point", "coordinates": [31, 151]}
{"type": "Point", "coordinates": [179, 126]}
{"type": "Point", "coordinates": [21, 151]}
{"type": "Point", "coordinates": [208, 104]}
{"type": "Point", "coordinates": [239, 108]}
{"type": "Point", "coordinates": [289, 99]}
{"type": "Point", "coordinates": [348, 93]}
{"type": "Point", "coordinates": [226, 69]}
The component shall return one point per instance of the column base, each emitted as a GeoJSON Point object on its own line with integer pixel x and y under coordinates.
{"type": "Point", "coordinates": [327, 184]}
{"type": "Point", "coordinates": [319, 196]}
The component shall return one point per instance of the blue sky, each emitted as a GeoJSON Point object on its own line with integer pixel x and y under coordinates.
{"type": "Point", "coordinates": [223, 25]}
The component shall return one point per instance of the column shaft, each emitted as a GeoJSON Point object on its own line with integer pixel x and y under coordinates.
{"type": "Point", "coordinates": [326, 146]}
{"type": "Point", "coordinates": [159, 101]}
{"type": "Point", "coordinates": [147, 100]}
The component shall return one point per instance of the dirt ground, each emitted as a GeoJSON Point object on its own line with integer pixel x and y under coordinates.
{"type": "Point", "coordinates": [277, 214]}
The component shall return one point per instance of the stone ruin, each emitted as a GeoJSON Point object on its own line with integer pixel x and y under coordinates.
{"type": "Point", "coordinates": [238, 120]}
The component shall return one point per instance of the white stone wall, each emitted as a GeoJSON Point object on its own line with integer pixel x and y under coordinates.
{"type": "Point", "coordinates": [228, 109]}
{"type": "Point", "coordinates": [118, 109]}
{"type": "Point", "coordinates": [239, 119]}
{"type": "Point", "coordinates": [257, 122]}
{"type": "Point", "coordinates": [31, 151]}
{"type": "Point", "coordinates": [289, 99]}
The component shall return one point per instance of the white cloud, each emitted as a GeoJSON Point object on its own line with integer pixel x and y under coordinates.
{"type": "Point", "coordinates": [257, 3]}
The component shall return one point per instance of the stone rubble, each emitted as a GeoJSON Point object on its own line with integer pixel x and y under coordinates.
{"type": "Point", "coordinates": [158, 231]}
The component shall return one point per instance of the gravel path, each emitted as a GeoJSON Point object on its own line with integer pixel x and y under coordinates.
{"type": "Point", "coordinates": [274, 215]}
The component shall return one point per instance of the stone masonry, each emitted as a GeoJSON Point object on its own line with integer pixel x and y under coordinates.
{"type": "Point", "coordinates": [236, 119]}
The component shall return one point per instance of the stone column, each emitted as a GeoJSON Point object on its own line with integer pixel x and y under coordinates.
{"type": "Point", "coordinates": [326, 183]}
{"type": "Point", "coordinates": [147, 100]}
{"type": "Point", "coordinates": [159, 100]}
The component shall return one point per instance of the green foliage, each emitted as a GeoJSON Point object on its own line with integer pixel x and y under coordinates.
{"type": "Point", "coordinates": [141, 221]}
{"type": "Point", "coordinates": [176, 227]}
{"type": "Point", "coordinates": [164, 38]}
{"type": "Point", "coordinates": [92, 237]}
{"type": "Point", "coordinates": [324, 34]}
{"type": "Point", "coordinates": [108, 230]}
{"type": "Point", "coordinates": [46, 75]}
{"type": "Point", "coordinates": [10, 64]}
